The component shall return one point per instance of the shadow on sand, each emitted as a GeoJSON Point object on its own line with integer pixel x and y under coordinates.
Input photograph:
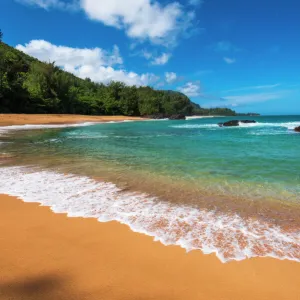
{"type": "Point", "coordinates": [57, 287]}
{"type": "Point", "coordinates": [44, 287]}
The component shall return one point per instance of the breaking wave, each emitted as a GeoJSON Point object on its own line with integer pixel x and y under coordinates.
{"type": "Point", "coordinates": [287, 125]}
{"type": "Point", "coordinates": [229, 236]}
{"type": "Point", "coordinates": [193, 126]}
{"type": "Point", "coordinates": [6, 129]}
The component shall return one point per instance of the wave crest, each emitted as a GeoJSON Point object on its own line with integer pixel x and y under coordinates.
{"type": "Point", "coordinates": [227, 235]}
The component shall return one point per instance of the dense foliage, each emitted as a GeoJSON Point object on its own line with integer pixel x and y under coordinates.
{"type": "Point", "coordinates": [30, 86]}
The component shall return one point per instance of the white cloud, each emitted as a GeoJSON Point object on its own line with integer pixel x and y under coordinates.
{"type": "Point", "coordinates": [255, 87]}
{"type": "Point", "coordinates": [154, 59]}
{"type": "Point", "coordinates": [252, 98]}
{"type": "Point", "coordinates": [161, 60]}
{"type": "Point", "coordinates": [146, 54]}
{"type": "Point", "coordinates": [140, 19]}
{"type": "Point", "coordinates": [96, 63]}
{"type": "Point", "coordinates": [191, 89]}
{"type": "Point", "coordinates": [248, 99]}
{"type": "Point", "coordinates": [170, 77]}
{"type": "Point", "coordinates": [229, 60]}
{"type": "Point", "coordinates": [74, 57]}
{"type": "Point", "coordinates": [47, 4]}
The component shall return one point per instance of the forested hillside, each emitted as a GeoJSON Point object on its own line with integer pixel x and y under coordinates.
{"type": "Point", "coordinates": [30, 86]}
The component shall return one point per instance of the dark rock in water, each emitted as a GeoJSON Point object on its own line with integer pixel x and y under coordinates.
{"type": "Point", "coordinates": [177, 117]}
{"type": "Point", "coordinates": [297, 129]}
{"type": "Point", "coordinates": [230, 123]}
{"type": "Point", "coordinates": [235, 123]}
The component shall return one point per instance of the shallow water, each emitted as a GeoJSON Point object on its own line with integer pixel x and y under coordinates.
{"type": "Point", "coordinates": [232, 191]}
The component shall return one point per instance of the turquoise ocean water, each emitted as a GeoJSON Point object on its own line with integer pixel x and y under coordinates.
{"type": "Point", "coordinates": [232, 191]}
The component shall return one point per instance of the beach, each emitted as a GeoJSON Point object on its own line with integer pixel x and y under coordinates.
{"type": "Point", "coordinates": [34, 119]}
{"type": "Point", "coordinates": [49, 256]}
{"type": "Point", "coordinates": [149, 150]}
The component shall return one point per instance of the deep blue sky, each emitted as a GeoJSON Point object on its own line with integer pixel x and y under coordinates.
{"type": "Point", "coordinates": [240, 54]}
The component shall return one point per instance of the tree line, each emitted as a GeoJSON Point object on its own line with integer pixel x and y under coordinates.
{"type": "Point", "coordinates": [30, 86]}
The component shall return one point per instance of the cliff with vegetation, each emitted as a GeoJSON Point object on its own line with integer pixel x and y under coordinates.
{"type": "Point", "coordinates": [30, 86]}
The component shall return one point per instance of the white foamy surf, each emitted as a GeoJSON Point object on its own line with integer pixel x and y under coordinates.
{"type": "Point", "coordinates": [287, 125]}
{"type": "Point", "coordinates": [11, 128]}
{"type": "Point", "coordinates": [194, 126]}
{"type": "Point", "coordinates": [228, 236]}
{"type": "Point", "coordinates": [44, 126]}
{"type": "Point", "coordinates": [201, 117]}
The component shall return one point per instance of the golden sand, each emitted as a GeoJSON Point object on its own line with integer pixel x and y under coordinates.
{"type": "Point", "coordinates": [21, 119]}
{"type": "Point", "coordinates": [49, 256]}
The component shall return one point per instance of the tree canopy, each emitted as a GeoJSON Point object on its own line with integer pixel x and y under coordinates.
{"type": "Point", "coordinates": [30, 86]}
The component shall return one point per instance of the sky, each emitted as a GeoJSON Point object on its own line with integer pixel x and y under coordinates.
{"type": "Point", "coordinates": [243, 55]}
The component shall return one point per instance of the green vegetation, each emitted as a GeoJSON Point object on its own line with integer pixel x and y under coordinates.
{"type": "Point", "coordinates": [30, 86]}
{"type": "Point", "coordinates": [248, 114]}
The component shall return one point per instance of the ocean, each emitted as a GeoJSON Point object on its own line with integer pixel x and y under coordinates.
{"type": "Point", "coordinates": [231, 191]}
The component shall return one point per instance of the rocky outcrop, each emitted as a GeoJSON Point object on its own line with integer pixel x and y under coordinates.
{"type": "Point", "coordinates": [160, 116]}
{"type": "Point", "coordinates": [230, 123]}
{"type": "Point", "coordinates": [156, 116]}
{"type": "Point", "coordinates": [177, 117]}
{"type": "Point", "coordinates": [297, 129]}
{"type": "Point", "coordinates": [235, 123]}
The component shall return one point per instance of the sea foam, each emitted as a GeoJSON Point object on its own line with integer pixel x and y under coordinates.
{"type": "Point", "coordinates": [230, 237]}
{"type": "Point", "coordinates": [287, 125]}
{"type": "Point", "coordinates": [6, 129]}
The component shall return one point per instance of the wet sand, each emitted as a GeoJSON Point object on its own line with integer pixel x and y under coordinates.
{"type": "Point", "coordinates": [22, 119]}
{"type": "Point", "coordinates": [49, 256]}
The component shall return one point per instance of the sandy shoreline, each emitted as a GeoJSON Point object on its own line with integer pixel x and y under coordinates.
{"type": "Point", "coordinates": [37, 119]}
{"type": "Point", "coordinates": [59, 119]}
{"type": "Point", "coordinates": [49, 256]}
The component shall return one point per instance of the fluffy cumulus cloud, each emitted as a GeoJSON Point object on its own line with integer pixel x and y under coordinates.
{"type": "Point", "coordinates": [170, 77]}
{"type": "Point", "coordinates": [141, 19]}
{"type": "Point", "coordinates": [97, 64]}
{"type": "Point", "coordinates": [229, 60]}
{"type": "Point", "coordinates": [191, 89]}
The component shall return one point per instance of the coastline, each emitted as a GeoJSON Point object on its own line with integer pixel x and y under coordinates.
{"type": "Point", "coordinates": [49, 256]}
{"type": "Point", "coordinates": [208, 228]}
{"type": "Point", "coordinates": [58, 119]}
{"type": "Point", "coordinates": [61, 119]}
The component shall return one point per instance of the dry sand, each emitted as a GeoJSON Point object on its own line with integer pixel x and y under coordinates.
{"type": "Point", "coordinates": [51, 257]}
{"type": "Point", "coordinates": [21, 119]}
